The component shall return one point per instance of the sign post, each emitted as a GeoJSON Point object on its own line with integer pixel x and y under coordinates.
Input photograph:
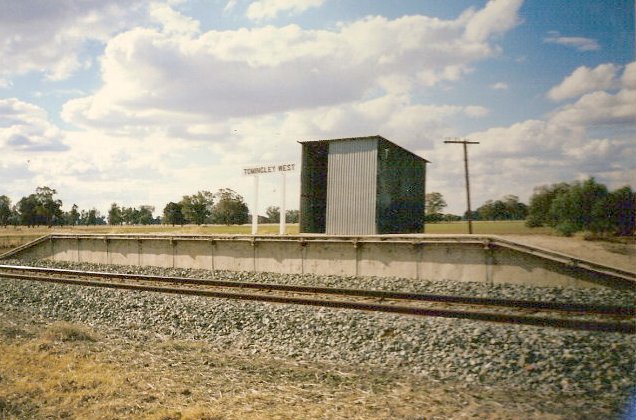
{"type": "Point", "coordinates": [281, 228]}
{"type": "Point", "coordinates": [256, 171]}
{"type": "Point", "coordinates": [255, 207]}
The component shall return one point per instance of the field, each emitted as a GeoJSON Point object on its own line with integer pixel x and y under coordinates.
{"type": "Point", "coordinates": [492, 228]}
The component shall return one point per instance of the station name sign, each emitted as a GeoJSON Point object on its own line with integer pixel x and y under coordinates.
{"type": "Point", "coordinates": [268, 169]}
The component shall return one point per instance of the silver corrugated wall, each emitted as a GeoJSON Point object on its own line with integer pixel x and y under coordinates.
{"type": "Point", "coordinates": [351, 187]}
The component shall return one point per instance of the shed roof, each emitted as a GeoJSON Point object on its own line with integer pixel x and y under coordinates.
{"type": "Point", "coordinates": [364, 138]}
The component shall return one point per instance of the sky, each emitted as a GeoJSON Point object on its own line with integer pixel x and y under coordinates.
{"type": "Point", "coordinates": [143, 102]}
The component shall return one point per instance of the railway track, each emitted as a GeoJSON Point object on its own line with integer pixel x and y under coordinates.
{"type": "Point", "coordinates": [576, 316]}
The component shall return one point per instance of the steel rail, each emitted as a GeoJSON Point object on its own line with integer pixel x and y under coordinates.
{"type": "Point", "coordinates": [379, 294]}
{"type": "Point", "coordinates": [575, 324]}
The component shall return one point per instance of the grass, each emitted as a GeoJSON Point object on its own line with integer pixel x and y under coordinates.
{"type": "Point", "coordinates": [516, 227]}
{"type": "Point", "coordinates": [263, 229]}
{"type": "Point", "coordinates": [502, 227]}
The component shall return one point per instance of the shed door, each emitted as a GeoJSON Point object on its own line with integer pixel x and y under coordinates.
{"type": "Point", "coordinates": [351, 187]}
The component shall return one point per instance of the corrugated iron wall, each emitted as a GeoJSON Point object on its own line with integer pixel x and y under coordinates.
{"type": "Point", "coordinates": [351, 187]}
{"type": "Point", "coordinates": [313, 187]}
{"type": "Point", "coordinates": [401, 190]}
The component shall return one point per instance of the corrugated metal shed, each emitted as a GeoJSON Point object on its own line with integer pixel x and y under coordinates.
{"type": "Point", "coordinates": [361, 186]}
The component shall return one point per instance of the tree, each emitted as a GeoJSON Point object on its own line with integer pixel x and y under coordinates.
{"type": "Point", "coordinates": [5, 210]}
{"type": "Point", "coordinates": [273, 214]}
{"type": "Point", "coordinates": [292, 216]}
{"type": "Point", "coordinates": [507, 209]}
{"type": "Point", "coordinates": [130, 215]}
{"type": "Point", "coordinates": [173, 214]}
{"type": "Point", "coordinates": [435, 203]}
{"type": "Point", "coordinates": [516, 210]}
{"type": "Point", "coordinates": [144, 215]}
{"type": "Point", "coordinates": [573, 211]}
{"type": "Point", "coordinates": [197, 208]}
{"type": "Point", "coordinates": [73, 216]}
{"type": "Point", "coordinates": [230, 209]}
{"type": "Point", "coordinates": [620, 210]}
{"type": "Point", "coordinates": [27, 209]}
{"type": "Point", "coordinates": [91, 217]}
{"type": "Point", "coordinates": [583, 206]}
{"type": "Point", "coordinates": [114, 215]}
{"type": "Point", "coordinates": [49, 208]}
{"type": "Point", "coordinates": [540, 203]}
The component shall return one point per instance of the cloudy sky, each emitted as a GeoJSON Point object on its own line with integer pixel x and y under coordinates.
{"type": "Point", "coordinates": [142, 102]}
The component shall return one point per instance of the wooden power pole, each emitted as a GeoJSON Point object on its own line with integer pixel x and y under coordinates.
{"type": "Point", "coordinates": [465, 142]}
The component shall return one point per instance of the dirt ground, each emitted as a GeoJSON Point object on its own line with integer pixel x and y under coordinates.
{"type": "Point", "coordinates": [615, 254]}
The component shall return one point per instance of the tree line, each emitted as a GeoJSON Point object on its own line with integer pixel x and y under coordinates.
{"type": "Point", "coordinates": [583, 206]}
{"type": "Point", "coordinates": [508, 208]}
{"type": "Point", "coordinates": [226, 206]}
{"type": "Point", "coordinates": [567, 207]}
{"type": "Point", "coordinates": [42, 208]}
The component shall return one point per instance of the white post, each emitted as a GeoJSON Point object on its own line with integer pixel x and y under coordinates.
{"type": "Point", "coordinates": [282, 206]}
{"type": "Point", "coordinates": [255, 207]}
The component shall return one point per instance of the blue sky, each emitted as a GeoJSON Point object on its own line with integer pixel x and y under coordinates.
{"type": "Point", "coordinates": [140, 102]}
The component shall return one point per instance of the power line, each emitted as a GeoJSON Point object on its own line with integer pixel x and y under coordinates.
{"type": "Point", "coordinates": [466, 142]}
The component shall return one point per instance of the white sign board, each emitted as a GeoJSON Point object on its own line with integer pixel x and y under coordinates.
{"type": "Point", "coordinates": [269, 169]}
{"type": "Point", "coordinates": [255, 171]}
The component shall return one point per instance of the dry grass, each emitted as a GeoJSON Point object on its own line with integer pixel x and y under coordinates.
{"type": "Point", "coordinates": [70, 371]}
{"type": "Point", "coordinates": [516, 227]}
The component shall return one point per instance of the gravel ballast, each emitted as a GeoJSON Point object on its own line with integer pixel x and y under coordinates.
{"type": "Point", "coordinates": [591, 364]}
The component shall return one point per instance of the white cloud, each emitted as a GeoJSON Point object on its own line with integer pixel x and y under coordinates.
{"type": "Point", "coordinates": [270, 9]}
{"type": "Point", "coordinates": [157, 77]}
{"type": "Point", "coordinates": [50, 36]}
{"type": "Point", "coordinates": [628, 80]}
{"type": "Point", "coordinates": [601, 107]}
{"type": "Point", "coordinates": [173, 21]}
{"type": "Point", "coordinates": [578, 43]}
{"type": "Point", "coordinates": [499, 86]}
{"type": "Point", "coordinates": [584, 80]}
{"type": "Point", "coordinates": [496, 18]}
{"type": "Point", "coordinates": [25, 127]}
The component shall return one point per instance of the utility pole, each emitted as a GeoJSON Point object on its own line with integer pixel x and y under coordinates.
{"type": "Point", "coordinates": [465, 142]}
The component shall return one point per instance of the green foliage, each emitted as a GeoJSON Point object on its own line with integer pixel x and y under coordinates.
{"type": "Point", "coordinates": [91, 218]}
{"type": "Point", "coordinates": [273, 214]}
{"type": "Point", "coordinates": [583, 206]}
{"type": "Point", "coordinates": [173, 214]}
{"type": "Point", "coordinates": [73, 216]}
{"type": "Point", "coordinates": [40, 208]}
{"type": "Point", "coordinates": [292, 216]}
{"type": "Point", "coordinates": [435, 203]}
{"type": "Point", "coordinates": [197, 208]}
{"type": "Point", "coordinates": [114, 215]}
{"type": "Point", "coordinates": [540, 203]}
{"type": "Point", "coordinates": [507, 209]}
{"type": "Point", "coordinates": [621, 208]}
{"type": "Point", "coordinates": [230, 209]}
{"type": "Point", "coordinates": [5, 210]}
{"type": "Point", "coordinates": [132, 215]}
